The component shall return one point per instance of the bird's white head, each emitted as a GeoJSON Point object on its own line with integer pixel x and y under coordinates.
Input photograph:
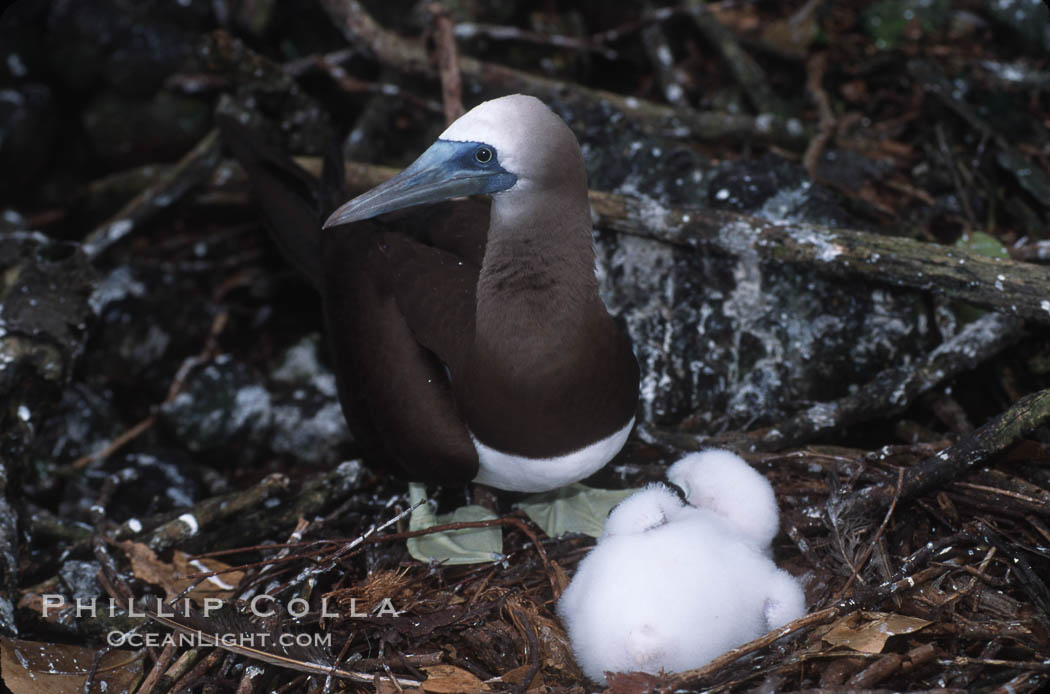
{"type": "Point", "coordinates": [513, 144]}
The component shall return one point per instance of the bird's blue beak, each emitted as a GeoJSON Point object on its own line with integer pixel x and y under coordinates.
{"type": "Point", "coordinates": [446, 170]}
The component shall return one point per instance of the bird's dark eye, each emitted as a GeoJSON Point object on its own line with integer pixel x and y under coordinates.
{"type": "Point", "coordinates": [483, 155]}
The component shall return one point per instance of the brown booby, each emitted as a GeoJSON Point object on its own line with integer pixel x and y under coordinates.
{"type": "Point", "coordinates": [469, 340]}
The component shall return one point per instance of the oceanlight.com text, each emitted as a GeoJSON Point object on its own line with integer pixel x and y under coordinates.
{"type": "Point", "coordinates": [260, 641]}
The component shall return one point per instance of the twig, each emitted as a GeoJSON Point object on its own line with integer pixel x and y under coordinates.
{"type": "Point", "coordinates": [447, 60]}
{"type": "Point", "coordinates": [891, 663]}
{"type": "Point", "coordinates": [217, 634]}
{"type": "Point", "coordinates": [533, 649]}
{"type": "Point", "coordinates": [961, 191]}
{"type": "Point", "coordinates": [469, 30]}
{"type": "Point", "coordinates": [1034, 666]}
{"type": "Point", "coordinates": [1029, 176]}
{"type": "Point", "coordinates": [353, 85]}
{"type": "Point", "coordinates": [747, 72]}
{"type": "Point", "coordinates": [1026, 576]}
{"type": "Point", "coordinates": [315, 495]}
{"type": "Point", "coordinates": [808, 621]}
{"type": "Point", "coordinates": [649, 16]}
{"type": "Point", "coordinates": [342, 551]}
{"type": "Point", "coordinates": [248, 677]}
{"type": "Point", "coordinates": [815, 68]}
{"type": "Point", "coordinates": [658, 49]}
{"type": "Point", "coordinates": [186, 682]}
{"type": "Point", "coordinates": [115, 445]}
{"type": "Point", "coordinates": [194, 168]}
{"type": "Point", "coordinates": [463, 525]}
{"type": "Point", "coordinates": [166, 656]}
{"type": "Point", "coordinates": [299, 67]}
{"type": "Point", "coordinates": [875, 540]}
{"type": "Point", "coordinates": [210, 349]}
{"type": "Point", "coordinates": [348, 546]}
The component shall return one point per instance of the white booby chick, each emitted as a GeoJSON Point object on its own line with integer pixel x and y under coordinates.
{"type": "Point", "coordinates": [653, 506]}
{"type": "Point", "coordinates": [669, 587]}
{"type": "Point", "coordinates": [723, 482]}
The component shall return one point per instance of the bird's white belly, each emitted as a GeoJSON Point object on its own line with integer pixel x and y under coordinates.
{"type": "Point", "coordinates": [521, 474]}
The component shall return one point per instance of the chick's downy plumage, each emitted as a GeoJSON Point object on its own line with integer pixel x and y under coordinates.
{"type": "Point", "coordinates": [670, 586]}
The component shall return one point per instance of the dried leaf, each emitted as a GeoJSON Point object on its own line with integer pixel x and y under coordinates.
{"type": "Point", "coordinates": [175, 577]}
{"type": "Point", "coordinates": [793, 36]}
{"type": "Point", "coordinates": [449, 679]}
{"type": "Point", "coordinates": [31, 667]}
{"type": "Point", "coordinates": [867, 632]}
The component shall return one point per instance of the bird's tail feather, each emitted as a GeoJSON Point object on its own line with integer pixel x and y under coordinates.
{"type": "Point", "coordinates": [288, 195]}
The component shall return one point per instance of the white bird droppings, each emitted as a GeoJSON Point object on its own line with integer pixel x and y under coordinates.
{"type": "Point", "coordinates": [190, 521]}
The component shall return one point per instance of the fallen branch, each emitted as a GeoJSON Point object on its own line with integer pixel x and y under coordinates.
{"type": "Point", "coordinates": [211, 510]}
{"type": "Point", "coordinates": [313, 497]}
{"type": "Point", "coordinates": [998, 284]}
{"type": "Point", "coordinates": [937, 470]}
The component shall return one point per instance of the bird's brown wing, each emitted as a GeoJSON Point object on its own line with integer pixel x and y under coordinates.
{"type": "Point", "coordinates": [394, 391]}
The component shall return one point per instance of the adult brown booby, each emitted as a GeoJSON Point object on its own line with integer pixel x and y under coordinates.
{"type": "Point", "coordinates": [468, 343]}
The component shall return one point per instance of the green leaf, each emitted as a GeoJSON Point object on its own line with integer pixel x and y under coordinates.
{"type": "Point", "coordinates": [573, 509]}
{"type": "Point", "coordinates": [983, 244]}
{"type": "Point", "coordinates": [887, 21]}
{"type": "Point", "coordinates": [469, 546]}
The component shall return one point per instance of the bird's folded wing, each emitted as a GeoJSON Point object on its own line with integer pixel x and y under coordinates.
{"type": "Point", "coordinates": [435, 291]}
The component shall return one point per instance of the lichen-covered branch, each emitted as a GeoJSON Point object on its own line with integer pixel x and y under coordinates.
{"type": "Point", "coordinates": [190, 523]}
{"type": "Point", "coordinates": [999, 284]}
